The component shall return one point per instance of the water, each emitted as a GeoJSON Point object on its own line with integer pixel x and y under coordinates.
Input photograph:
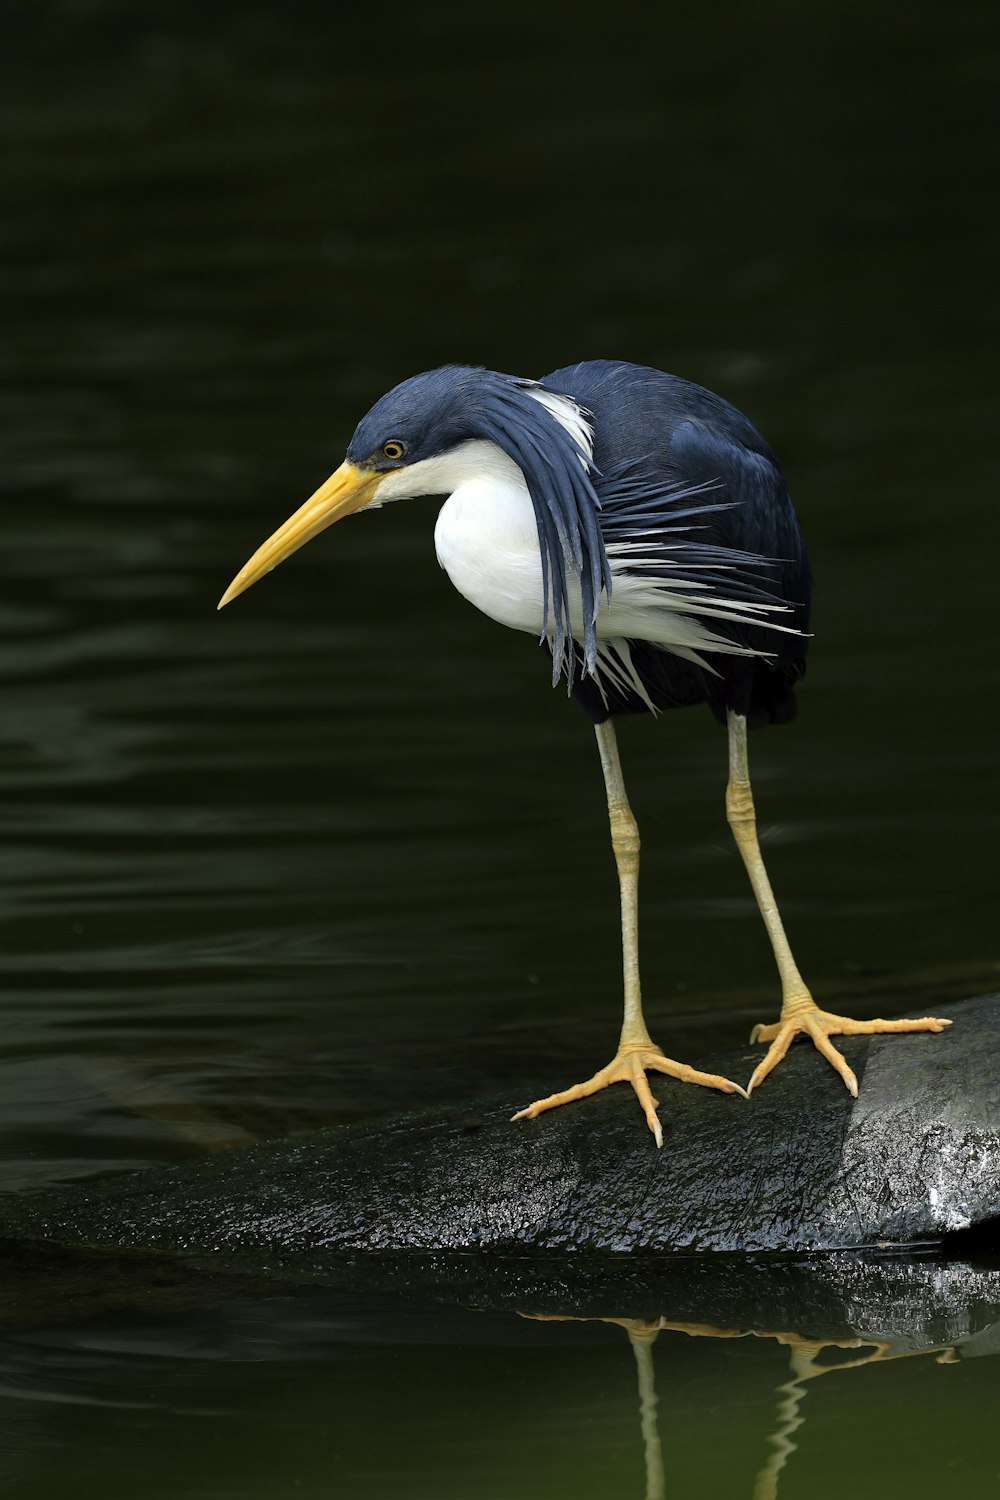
{"type": "Point", "coordinates": [341, 850]}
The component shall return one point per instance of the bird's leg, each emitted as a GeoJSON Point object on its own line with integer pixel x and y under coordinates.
{"type": "Point", "coordinates": [636, 1051]}
{"type": "Point", "coordinates": [799, 1011]}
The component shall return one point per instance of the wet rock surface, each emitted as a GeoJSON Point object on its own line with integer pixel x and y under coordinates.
{"type": "Point", "coordinates": [801, 1167]}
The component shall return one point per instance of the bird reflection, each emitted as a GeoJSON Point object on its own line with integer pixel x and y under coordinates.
{"type": "Point", "coordinates": [806, 1362]}
{"type": "Point", "coordinates": [641, 1337]}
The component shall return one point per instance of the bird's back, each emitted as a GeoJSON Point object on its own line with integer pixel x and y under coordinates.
{"type": "Point", "coordinates": [735, 502]}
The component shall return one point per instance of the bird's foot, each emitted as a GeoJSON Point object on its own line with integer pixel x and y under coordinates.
{"type": "Point", "coordinates": [806, 1018]}
{"type": "Point", "coordinates": [630, 1066]}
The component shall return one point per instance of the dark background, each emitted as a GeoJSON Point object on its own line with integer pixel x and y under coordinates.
{"type": "Point", "coordinates": [342, 849]}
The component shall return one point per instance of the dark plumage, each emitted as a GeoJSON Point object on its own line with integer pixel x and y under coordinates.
{"type": "Point", "coordinates": [703, 465]}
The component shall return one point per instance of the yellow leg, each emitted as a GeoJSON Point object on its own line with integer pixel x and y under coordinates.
{"type": "Point", "coordinates": [799, 1011]}
{"type": "Point", "coordinates": [636, 1053]}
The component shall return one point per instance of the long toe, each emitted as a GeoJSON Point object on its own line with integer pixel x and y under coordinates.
{"type": "Point", "coordinates": [686, 1074]}
{"type": "Point", "coordinates": [783, 1036]}
{"type": "Point", "coordinates": [643, 1092]}
{"type": "Point", "coordinates": [599, 1081]}
{"type": "Point", "coordinates": [845, 1026]}
{"type": "Point", "coordinates": [836, 1059]}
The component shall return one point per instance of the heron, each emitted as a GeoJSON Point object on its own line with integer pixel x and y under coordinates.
{"type": "Point", "coordinates": [639, 526]}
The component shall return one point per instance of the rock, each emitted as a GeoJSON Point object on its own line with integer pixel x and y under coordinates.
{"type": "Point", "coordinates": [800, 1167]}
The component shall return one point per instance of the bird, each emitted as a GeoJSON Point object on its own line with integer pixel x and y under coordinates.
{"type": "Point", "coordinates": [640, 527]}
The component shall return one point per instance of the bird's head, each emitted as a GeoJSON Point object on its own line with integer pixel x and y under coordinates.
{"type": "Point", "coordinates": [387, 458]}
{"type": "Point", "coordinates": [434, 430]}
{"type": "Point", "coordinates": [418, 421]}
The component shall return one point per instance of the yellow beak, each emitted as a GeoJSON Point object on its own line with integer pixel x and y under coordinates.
{"type": "Point", "coordinates": [349, 489]}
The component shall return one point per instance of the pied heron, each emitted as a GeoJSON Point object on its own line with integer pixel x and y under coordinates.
{"type": "Point", "coordinates": [640, 527]}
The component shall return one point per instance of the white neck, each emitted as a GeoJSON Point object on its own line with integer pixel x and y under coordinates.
{"type": "Point", "coordinates": [443, 474]}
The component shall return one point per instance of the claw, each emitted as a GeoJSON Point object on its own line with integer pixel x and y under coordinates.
{"type": "Point", "coordinates": [630, 1066]}
{"type": "Point", "coordinates": [819, 1026]}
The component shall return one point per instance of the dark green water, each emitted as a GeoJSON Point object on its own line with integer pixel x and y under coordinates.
{"type": "Point", "coordinates": [341, 850]}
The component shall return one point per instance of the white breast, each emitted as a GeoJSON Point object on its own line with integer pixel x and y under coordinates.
{"type": "Point", "coordinates": [487, 540]}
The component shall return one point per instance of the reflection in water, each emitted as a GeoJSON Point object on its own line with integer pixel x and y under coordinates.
{"type": "Point", "coordinates": [789, 1421]}
{"type": "Point", "coordinates": [641, 1335]}
{"type": "Point", "coordinates": [805, 1364]}
{"type": "Point", "coordinates": [641, 1338]}
{"type": "Point", "coordinates": [805, 1361]}
{"type": "Point", "coordinates": [359, 1384]}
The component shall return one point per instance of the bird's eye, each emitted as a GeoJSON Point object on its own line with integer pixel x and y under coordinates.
{"type": "Point", "coordinates": [394, 448]}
